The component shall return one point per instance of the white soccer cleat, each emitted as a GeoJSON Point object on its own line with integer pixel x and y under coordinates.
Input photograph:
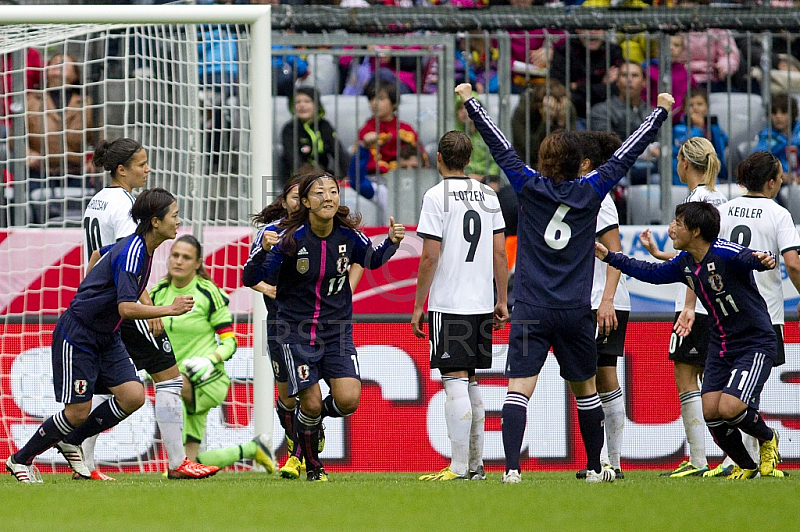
{"type": "Point", "coordinates": [74, 456]}
{"type": "Point", "coordinates": [24, 473]}
{"type": "Point", "coordinates": [511, 477]}
{"type": "Point", "coordinates": [606, 474]}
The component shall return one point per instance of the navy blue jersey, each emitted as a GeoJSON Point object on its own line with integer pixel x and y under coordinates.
{"type": "Point", "coordinates": [723, 281]}
{"type": "Point", "coordinates": [272, 307]}
{"type": "Point", "coordinates": [556, 231]}
{"type": "Point", "coordinates": [315, 304]}
{"type": "Point", "coordinates": [120, 275]}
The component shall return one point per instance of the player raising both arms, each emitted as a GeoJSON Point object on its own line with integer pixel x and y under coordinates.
{"type": "Point", "coordinates": [87, 349]}
{"type": "Point", "coordinates": [108, 219]}
{"type": "Point", "coordinates": [557, 225]}
{"type": "Point", "coordinates": [309, 266]}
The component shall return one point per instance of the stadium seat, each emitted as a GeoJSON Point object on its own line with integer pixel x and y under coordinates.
{"type": "Point", "coordinates": [741, 116]}
{"type": "Point", "coordinates": [371, 215]}
{"type": "Point", "coordinates": [406, 189]}
{"type": "Point", "coordinates": [644, 204]}
{"type": "Point", "coordinates": [346, 114]}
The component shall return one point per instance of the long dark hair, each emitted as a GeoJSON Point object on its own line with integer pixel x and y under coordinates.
{"type": "Point", "coordinates": [109, 155]}
{"type": "Point", "coordinates": [758, 168]}
{"type": "Point", "coordinates": [192, 241]}
{"type": "Point", "coordinates": [151, 203]}
{"type": "Point", "coordinates": [275, 210]}
{"type": "Point", "coordinates": [300, 217]}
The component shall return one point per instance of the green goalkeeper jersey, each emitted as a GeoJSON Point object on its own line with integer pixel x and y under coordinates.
{"type": "Point", "coordinates": [204, 331]}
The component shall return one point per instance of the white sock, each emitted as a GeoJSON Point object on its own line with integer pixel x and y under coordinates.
{"type": "Point", "coordinates": [614, 410]}
{"type": "Point", "coordinates": [89, 443]}
{"type": "Point", "coordinates": [169, 416]}
{"type": "Point", "coordinates": [752, 446]}
{"type": "Point", "coordinates": [695, 426]}
{"type": "Point", "coordinates": [729, 462]}
{"type": "Point", "coordinates": [458, 415]}
{"type": "Point", "coordinates": [476, 429]}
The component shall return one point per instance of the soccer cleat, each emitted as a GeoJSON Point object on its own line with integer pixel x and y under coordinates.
{"type": "Point", "coordinates": [74, 456]}
{"type": "Point", "coordinates": [96, 475]}
{"type": "Point", "coordinates": [291, 469]}
{"type": "Point", "coordinates": [289, 444]}
{"type": "Point", "coordinates": [580, 475]}
{"type": "Point", "coordinates": [719, 471]}
{"type": "Point", "coordinates": [317, 475]}
{"type": "Point", "coordinates": [685, 469]}
{"type": "Point", "coordinates": [478, 474]}
{"type": "Point", "coordinates": [606, 474]}
{"type": "Point", "coordinates": [511, 477]}
{"type": "Point", "coordinates": [321, 440]}
{"type": "Point", "coordinates": [264, 455]}
{"type": "Point", "coordinates": [23, 473]}
{"type": "Point", "coordinates": [743, 474]}
{"type": "Point", "coordinates": [777, 473]}
{"type": "Point", "coordinates": [770, 457]}
{"type": "Point", "coordinates": [444, 474]}
{"type": "Point", "coordinates": [192, 470]}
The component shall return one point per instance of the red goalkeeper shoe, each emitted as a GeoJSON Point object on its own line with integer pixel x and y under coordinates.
{"type": "Point", "coordinates": [96, 475]}
{"type": "Point", "coordinates": [189, 470]}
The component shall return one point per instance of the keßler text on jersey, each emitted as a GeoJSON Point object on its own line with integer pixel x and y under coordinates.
{"type": "Point", "coordinates": [744, 212]}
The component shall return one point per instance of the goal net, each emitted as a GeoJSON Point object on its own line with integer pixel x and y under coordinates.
{"type": "Point", "coordinates": [183, 89]}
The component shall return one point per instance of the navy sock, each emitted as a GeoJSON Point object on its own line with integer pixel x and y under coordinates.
{"type": "Point", "coordinates": [750, 422]}
{"type": "Point", "coordinates": [308, 435]}
{"type": "Point", "coordinates": [286, 417]}
{"type": "Point", "coordinates": [298, 449]}
{"type": "Point", "coordinates": [515, 416]}
{"type": "Point", "coordinates": [329, 408]}
{"type": "Point", "coordinates": [729, 440]}
{"type": "Point", "coordinates": [105, 416]}
{"type": "Point", "coordinates": [48, 434]}
{"type": "Point", "coordinates": [590, 421]}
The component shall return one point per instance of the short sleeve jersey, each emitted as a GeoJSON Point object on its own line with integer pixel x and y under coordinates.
{"type": "Point", "coordinates": [759, 223]}
{"type": "Point", "coordinates": [608, 219]}
{"type": "Point", "coordinates": [119, 276]}
{"type": "Point", "coordinates": [464, 215]}
{"type": "Point", "coordinates": [107, 219]}
{"type": "Point", "coordinates": [715, 198]}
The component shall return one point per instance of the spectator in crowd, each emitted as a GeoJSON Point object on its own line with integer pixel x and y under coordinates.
{"type": "Point", "coordinates": [541, 110]}
{"type": "Point", "coordinates": [593, 63]}
{"type": "Point", "coordinates": [682, 80]}
{"type": "Point", "coordinates": [698, 123]}
{"type": "Point", "coordinates": [287, 68]}
{"type": "Point", "coordinates": [636, 47]}
{"type": "Point", "coordinates": [310, 139]}
{"type": "Point", "coordinates": [784, 76]}
{"type": "Point", "coordinates": [623, 114]}
{"type": "Point", "coordinates": [61, 133]}
{"type": "Point", "coordinates": [476, 62]}
{"type": "Point", "coordinates": [481, 161]}
{"type": "Point", "coordinates": [782, 136]}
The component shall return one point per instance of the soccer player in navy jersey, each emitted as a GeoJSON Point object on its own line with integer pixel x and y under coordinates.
{"type": "Point", "coordinates": [87, 348]}
{"type": "Point", "coordinates": [558, 214]}
{"type": "Point", "coordinates": [309, 267]}
{"type": "Point", "coordinates": [743, 344]}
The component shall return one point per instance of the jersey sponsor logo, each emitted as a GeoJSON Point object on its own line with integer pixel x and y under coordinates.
{"type": "Point", "coordinates": [342, 248]}
{"type": "Point", "coordinates": [341, 264]}
{"type": "Point", "coordinates": [302, 372]}
{"type": "Point", "coordinates": [302, 265]}
{"type": "Point", "coordinates": [303, 251]}
{"type": "Point", "coordinates": [711, 267]}
{"type": "Point", "coordinates": [715, 281]}
{"type": "Point", "coordinates": [80, 386]}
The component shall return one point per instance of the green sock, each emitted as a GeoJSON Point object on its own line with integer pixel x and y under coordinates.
{"type": "Point", "coordinates": [226, 457]}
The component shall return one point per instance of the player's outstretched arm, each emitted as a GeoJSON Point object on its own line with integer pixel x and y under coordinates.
{"type": "Point", "coordinates": [649, 243]}
{"type": "Point", "coordinates": [132, 310]}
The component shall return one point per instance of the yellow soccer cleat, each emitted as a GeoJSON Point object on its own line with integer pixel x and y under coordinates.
{"type": "Point", "coordinates": [291, 469]}
{"type": "Point", "coordinates": [264, 455]}
{"type": "Point", "coordinates": [685, 469]}
{"type": "Point", "coordinates": [743, 474]}
{"type": "Point", "coordinates": [444, 474]}
{"type": "Point", "coordinates": [770, 457]}
{"type": "Point", "coordinates": [719, 471]}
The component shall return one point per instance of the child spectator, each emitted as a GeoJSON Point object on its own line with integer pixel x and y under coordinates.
{"type": "Point", "coordinates": [783, 133]}
{"type": "Point", "coordinates": [682, 80]}
{"type": "Point", "coordinates": [478, 57]}
{"type": "Point", "coordinates": [481, 162]}
{"type": "Point", "coordinates": [310, 139]}
{"type": "Point", "coordinates": [697, 123]}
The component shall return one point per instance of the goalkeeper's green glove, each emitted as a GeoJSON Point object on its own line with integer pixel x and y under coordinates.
{"type": "Point", "coordinates": [198, 369]}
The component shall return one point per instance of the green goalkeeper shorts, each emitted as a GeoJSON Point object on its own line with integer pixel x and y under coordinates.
{"type": "Point", "coordinates": [206, 397]}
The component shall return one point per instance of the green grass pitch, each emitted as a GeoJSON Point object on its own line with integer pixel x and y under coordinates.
{"type": "Point", "coordinates": [376, 501]}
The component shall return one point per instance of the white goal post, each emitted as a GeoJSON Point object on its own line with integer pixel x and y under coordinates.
{"type": "Point", "coordinates": [209, 141]}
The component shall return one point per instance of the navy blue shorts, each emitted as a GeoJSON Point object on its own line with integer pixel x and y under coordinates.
{"type": "Point", "coordinates": [86, 362]}
{"type": "Point", "coordinates": [741, 375]}
{"type": "Point", "coordinates": [306, 368]}
{"type": "Point", "coordinates": [569, 331]}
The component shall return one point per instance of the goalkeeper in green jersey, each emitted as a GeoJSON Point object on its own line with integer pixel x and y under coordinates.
{"type": "Point", "coordinates": [202, 341]}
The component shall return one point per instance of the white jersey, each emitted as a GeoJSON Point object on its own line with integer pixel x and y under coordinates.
{"type": "Point", "coordinates": [761, 224]}
{"type": "Point", "coordinates": [464, 216]}
{"type": "Point", "coordinates": [715, 198]}
{"type": "Point", "coordinates": [107, 219]}
{"type": "Point", "coordinates": [608, 219]}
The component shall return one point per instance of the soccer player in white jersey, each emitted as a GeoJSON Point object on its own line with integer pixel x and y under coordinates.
{"type": "Point", "coordinates": [754, 220]}
{"type": "Point", "coordinates": [108, 219]}
{"type": "Point", "coordinates": [463, 250]}
{"type": "Point", "coordinates": [698, 167]}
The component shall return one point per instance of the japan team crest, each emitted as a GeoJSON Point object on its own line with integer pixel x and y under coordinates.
{"type": "Point", "coordinates": [302, 371]}
{"type": "Point", "coordinates": [341, 264]}
{"type": "Point", "coordinates": [715, 281]}
{"type": "Point", "coordinates": [80, 386]}
{"type": "Point", "coordinates": [302, 265]}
